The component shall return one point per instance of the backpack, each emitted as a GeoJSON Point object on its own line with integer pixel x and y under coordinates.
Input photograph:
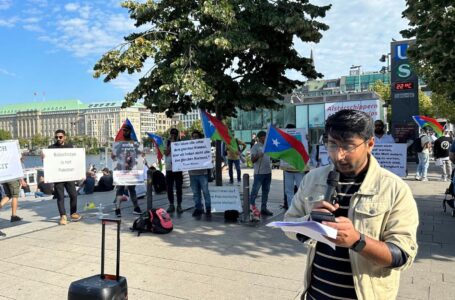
{"type": "Point", "coordinates": [156, 220]}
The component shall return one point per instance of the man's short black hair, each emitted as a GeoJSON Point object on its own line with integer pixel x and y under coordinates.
{"type": "Point", "coordinates": [379, 122]}
{"type": "Point", "coordinates": [60, 131]}
{"type": "Point", "coordinates": [199, 134]}
{"type": "Point", "coordinates": [261, 133]}
{"type": "Point", "coordinates": [348, 123]}
{"type": "Point", "coordinates": [174, 131]}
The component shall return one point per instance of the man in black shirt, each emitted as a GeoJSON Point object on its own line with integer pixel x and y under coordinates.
{"type": "Point", "coordinates": [106, 182]}
{"type": "Point", "coordinates": [44, 189]}
{"type": "Point", "coordinates": [70, 186]}
{"type": "Point", "coordinates": [441, 154]}
{"type": "Point", "coordinates": [158, 181]}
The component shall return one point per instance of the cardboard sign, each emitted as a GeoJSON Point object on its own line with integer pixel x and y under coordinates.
{"type": "Point", "coordinates": [225, 198]}
{"type": "Point", "coordinates": [128, 164]}
{"type": "Point", "coordinates": [391, 157]}
{"type": "Point", "coordinates": [299, 134]}
{"type": "Point", "coordinates": [10, 161]}
{"type": "Point", "coordinates": [64, 164]}
{"type": "Point", "coordinates": [191, 155]}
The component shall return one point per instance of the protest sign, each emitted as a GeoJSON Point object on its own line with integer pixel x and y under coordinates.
{"type": "Point", "coordinates": [191, 155]}
{"type": "Point", "coordinates": [225, 198]}
{"type": "Point", "coordinates": [64, 164]}
{"type": "Point", "coordinates": [391, 157]}
{"type": "Point", "coordinates": [128, 164]}
{"type": "Point", "coordinates": [324, 158]}
{"type": "Point", "coordinates": [10, 161]}
{"type": "Point", "coordinates": [299, 134]}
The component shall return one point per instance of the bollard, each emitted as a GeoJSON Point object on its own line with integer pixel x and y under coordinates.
{"type": "Point", "coordinates": [246, 198]}
{"type": "Point", "coordinates": [149, 194]}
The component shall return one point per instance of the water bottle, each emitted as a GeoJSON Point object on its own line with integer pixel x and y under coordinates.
{"type": "Point", "coordinates": [100, 211]}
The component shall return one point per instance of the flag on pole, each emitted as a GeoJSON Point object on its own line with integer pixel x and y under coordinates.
{"type": "Point", "coordinates": [424, 121]}
{"type": "Point", "coordinates": [214, 128]}
{"type": "Point", "coordinates": [281, 145]}
{"type": "Point", "coordinates": [159, 145]}
{"type": "Point", "coordinates": [127, 124]}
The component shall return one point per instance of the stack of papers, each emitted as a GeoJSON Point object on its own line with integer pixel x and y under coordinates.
{"type": "Point", "coordinates": [311, 229]}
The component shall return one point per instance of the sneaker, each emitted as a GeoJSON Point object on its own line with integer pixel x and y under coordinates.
{"type": "Point", "coordinates": [255, 215]}
{"type": "Point", "coordinates": [171, 208]}
{"type": "Point", "coordinates": [208, 214]}
{"type": "Point", "coordinates": [424, 179]}
{"type": "Point", "coordinates": [179, 208]}
{"type": "Point", "coordinates": [63, 220]}
{"type": "Point", "coordinates": [118, 213]}
{"type": "Point", "coordinates": [137, 211]}
{"type": "Point", "coordinates": [15, 218]}
{"type": "Point", "coordinates": [418, 178]}
{"type": "Point", "coordinates": [197, 212]}
{"type": "Point", "coordinates": [2, 234]}
{"type": "Point", "coordinates": [75, 217]}
{"type": "Point", "coordinates": [266, 212]}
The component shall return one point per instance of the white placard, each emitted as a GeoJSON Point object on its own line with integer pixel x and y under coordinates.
{"type": "Point", "coordinates": [191, 155]}
{"type": "Point", "coordinates": [324, 158]}
{"type": "Point", "coordinates": [299, 134]}
{"type": "Point", "coordinates": [64, 164]}
{"type": "Point", "coordinates": [128, 164]}
{"type": "Point", "coordinates": [391, 157]}
{"type": "Point", "coordinates": [225, 198]}
{"type": "Point", "coordinates": [10, 161]}
{"type": "Point", "coordinates": [371, 107]}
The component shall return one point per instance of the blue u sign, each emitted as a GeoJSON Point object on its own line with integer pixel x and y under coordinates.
{"type": "Point", "coordinates": [401, 51]}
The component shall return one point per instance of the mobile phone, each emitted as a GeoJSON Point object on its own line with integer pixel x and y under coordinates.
{"type": "Point", "coordinates": [319, 216]}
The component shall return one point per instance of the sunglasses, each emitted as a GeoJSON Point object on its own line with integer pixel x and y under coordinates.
{"type": "Point", "coordinates": [59, 137]}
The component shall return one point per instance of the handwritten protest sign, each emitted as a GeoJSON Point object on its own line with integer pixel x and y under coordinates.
{"type": "Point", "coordinates": [64, 164]}
{"type": "Point", "coordinates": [191, 155]}
{"type": "Point", "coordinates": [391, 157]}
{"type": "Point", "coordinates": [128, 163]}
{"type": "Point", "coordinates": [225, 198]}
{"type": "Point", "coordinates": [10, 161]}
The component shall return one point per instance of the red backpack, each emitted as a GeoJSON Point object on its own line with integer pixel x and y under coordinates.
{"type": "Point", "coordinates": [156, 220]}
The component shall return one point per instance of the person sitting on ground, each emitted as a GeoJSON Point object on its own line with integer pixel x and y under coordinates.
{"type": "Point", "coordinates": [106, 182]}
{"type": "Point", "coordinates": [44, 189]}
{"type": "Point", "coordinates": [12, 189]}
{"type": "Point", "coordinates": [158, 181]}
{"type": "Point", "coordinates": [88, 186]}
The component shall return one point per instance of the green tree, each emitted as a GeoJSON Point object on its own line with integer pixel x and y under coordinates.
{"type": "Point", "coordinates": [5, 135]}
{"type": "Point", "coordinates": [432, 23]}
{"type": "Point", "coordinates": [39, 141]}
{"type": "Point", "coordinates": [215, 54]}
{"type": "Point", "coordinates": [443, 107]}
{"type": "Point", "coordinates": [24, 143]}
{"type": "Point", "coordinates": [196, 125]}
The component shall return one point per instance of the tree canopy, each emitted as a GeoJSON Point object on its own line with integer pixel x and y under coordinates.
{"type": "Point", "coordinates": [432, 24]}
{"type": "Point", "coordinates": [4, 135]}
{"type": "Point", "coordinates": [214, 54]}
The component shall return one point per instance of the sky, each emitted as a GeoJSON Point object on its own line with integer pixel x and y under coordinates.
{"type": "Point", "coordinates": [49, 47]}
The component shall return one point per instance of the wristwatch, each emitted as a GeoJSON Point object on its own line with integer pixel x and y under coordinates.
{"type": "Point", "coordinates": [360, 244]}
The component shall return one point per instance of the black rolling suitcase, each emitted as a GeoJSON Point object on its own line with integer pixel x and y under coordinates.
{"type": "Point", "coordinates": [102, 286]}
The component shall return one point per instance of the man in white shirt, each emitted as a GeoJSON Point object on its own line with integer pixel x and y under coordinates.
{"type": "Point", "coordinates": [380, 136]}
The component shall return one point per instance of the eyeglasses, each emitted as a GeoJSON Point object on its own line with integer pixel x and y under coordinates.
{"type": "Point", "coordinates": [59, 137]}
{"type": "Point", "coordinates": [345, 149]}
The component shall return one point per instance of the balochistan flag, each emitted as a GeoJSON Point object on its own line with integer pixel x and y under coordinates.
{"type": "Point", "coordinates": [424, 121]}
{"type": "Point", "coordinates": [159, 145]}
{"type": "Point", "coordinates": [127, 124]}
{"type": "Point", "coordinates": [214, 128]}
{"type": "Point", "coordinates": [281, 145]}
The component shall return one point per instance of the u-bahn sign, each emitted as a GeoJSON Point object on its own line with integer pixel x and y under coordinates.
{"type": "Point", "coordinates": [404, 86]}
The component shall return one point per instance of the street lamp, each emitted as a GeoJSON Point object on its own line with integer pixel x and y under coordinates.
{"type": "Point", "coordinates": [385, 69]}
{"type": "Point", "coordinates": [358, 73]}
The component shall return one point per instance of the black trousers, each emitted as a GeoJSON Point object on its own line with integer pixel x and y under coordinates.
{"type": "Point", "coordinates": [59, 191]}
{"type": "Point", "coordinates": [172, 177]}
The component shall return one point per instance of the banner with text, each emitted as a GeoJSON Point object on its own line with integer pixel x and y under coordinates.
{"type": "Point", "coordinates": [191, 155]}
{"type": "Point", "coordinates": [225, 198]}
{"type": "Point", "coordinates": [391, 157]}
{"type": "Point", "coordinates": [10, 161]}
{"type": "Point", "coordinates": [371, 107]}
{"type": "Point", "coordinates": [64, 164]}
{"type": "Point", "coordinates": [128, 163]}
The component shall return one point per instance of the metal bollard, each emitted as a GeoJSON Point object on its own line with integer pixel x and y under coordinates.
{"type": "Point", "coordinates": [149, 194]}
{"type": "Point", "coordinates": [246, 198]}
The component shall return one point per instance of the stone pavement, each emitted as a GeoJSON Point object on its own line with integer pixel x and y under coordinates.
{"type": "Point", "coordinates": [200, 259]}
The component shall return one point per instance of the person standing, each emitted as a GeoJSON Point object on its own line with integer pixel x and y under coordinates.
{"type": "Point", "coordinates": [233, 156]}
{"type": "Point", "coordinates": [173, 177]}
{"type": "Point", "coordinates": [59, 187]}
{"type": "Point", "coordinates": [424, 157]}
{"type": "Point", "coordinates": [376, 218]}
{"type": "Point", "coordinates": [199, 182]}
{"type": "Point", "coordinates": [441, 154]}
{"type": "Point", "coordinates": [380, 136]}
{"type": "Point", "coordinates": [262, 176]}
{"type": "Point", "coordinates": [12, 189]}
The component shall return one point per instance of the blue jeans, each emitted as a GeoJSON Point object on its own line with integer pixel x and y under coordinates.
{"type": "Point", "coordinates": [291, 179]}
{"type": "Point", "coordinates": [263, 180]}
{"type": "Point", "coordinates": [198, 183]}
{"type": "Point", "coordinates": [424, 162]}
{"type": "Point", "coordinates": [237, 168]}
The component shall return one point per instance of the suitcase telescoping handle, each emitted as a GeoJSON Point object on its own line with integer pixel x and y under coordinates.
{"type": "Point", "coordinates": [103, 233]}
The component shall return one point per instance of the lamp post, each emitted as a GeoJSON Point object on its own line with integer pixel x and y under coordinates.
{"type": "Point", "coordinates": [385, 69]}
{"type": "Point", "coordinates": [358, 73]}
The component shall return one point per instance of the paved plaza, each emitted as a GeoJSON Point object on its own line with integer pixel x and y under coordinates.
{"type": "Point", "coordinates": [200, 259]}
